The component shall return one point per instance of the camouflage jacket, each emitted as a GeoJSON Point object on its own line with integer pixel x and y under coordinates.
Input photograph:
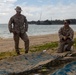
{"type": "Point", "coordinates": [18, 24]}
{"type": "Point", "coordinates": [67, 32]}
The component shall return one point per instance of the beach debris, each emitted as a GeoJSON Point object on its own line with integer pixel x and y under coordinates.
{"type": "Point", "coordinates": [25, 63]}
{"type": "Point", "coordinates": [69, 69]}
{"type": "Point", "coordinates": [36, 74]}
{"type": "Point", "coordinates": [44, 50]}
{"type": "Point", "coordinates": [30, 63]}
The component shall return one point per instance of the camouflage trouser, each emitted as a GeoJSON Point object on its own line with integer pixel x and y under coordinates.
{"type": "Point", "coordinates": [67, 43]}
{"type": "Point", "coordinates": [24, 37]}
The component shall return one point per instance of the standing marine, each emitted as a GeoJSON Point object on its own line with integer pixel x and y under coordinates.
{"type": "Point", "coordinates": [18, 26]}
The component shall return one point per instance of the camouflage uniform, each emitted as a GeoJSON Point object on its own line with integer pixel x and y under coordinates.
{"type": "Point", "coordinates": [19, 29]}
{"type": "Point", "coordinates": [67, 32]}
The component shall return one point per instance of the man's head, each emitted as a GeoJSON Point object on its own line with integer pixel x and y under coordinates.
{"type": "Point", "coordinates": [66, 23]}
{"type": "Point", "coordinates": [18, 9]}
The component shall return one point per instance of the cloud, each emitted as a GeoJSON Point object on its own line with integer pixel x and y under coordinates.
{"type": "Point", "coordinates": [40, 1]}
{"type": "Point", "coordinates": [6, 7]}
{"type": "Point", "coordinates": [10, 1]}
{"type": "Point", "coordinates": [59, 11]}
{"type": "Point", "coordinates": [50, 11]}
{"type": "Point", "coordinates": [32, 12]}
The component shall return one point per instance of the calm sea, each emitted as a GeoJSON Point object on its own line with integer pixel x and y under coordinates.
{"type": "Point", "coordinates": [33, 30]}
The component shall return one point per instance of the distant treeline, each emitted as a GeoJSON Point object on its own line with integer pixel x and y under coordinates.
{"type": "Point", "coordinates": [50, 22]}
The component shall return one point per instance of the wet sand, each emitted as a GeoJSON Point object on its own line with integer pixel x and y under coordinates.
{"type": "Point", "coordinates": [8, 44]}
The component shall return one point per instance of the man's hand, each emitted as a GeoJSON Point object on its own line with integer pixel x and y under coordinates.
{"type": "Point", "coordinates": [26, 29]}
{"type": "Point", "coordinates": [11, 31]}
{"type": "Point", "coordinates": [64, 37]}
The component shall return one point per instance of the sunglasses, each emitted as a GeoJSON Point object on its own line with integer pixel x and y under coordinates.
{"type": "Point", "coordinates": [65, 23]}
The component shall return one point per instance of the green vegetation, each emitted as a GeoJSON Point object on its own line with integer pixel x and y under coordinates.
{"type": "Point", "coordinates": [46, 46]}
{"type": "Point", "coordinates": [36, 48]}
{"type": "Point", "coordinates": [7, 54]}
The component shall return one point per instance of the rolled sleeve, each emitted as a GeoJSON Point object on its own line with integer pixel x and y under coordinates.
{"type": "Point", "coordinates": [71, 34]}
{"type": "Point", "coordinates": [60, 34]}
{"type": "Point", "coordinates": [26, 24]}
{"type": "Point", "coordinates": [10, 24]}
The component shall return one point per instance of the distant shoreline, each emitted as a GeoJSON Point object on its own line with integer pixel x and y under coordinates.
{"type": "Point", "coordinates": [51, 22]}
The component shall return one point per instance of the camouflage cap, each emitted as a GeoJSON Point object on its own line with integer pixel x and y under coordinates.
{"type": "Point", "coordinates": [18, 8]}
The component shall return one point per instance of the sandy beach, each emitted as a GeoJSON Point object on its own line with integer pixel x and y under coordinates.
{"type": "Point", "coordinates": [8, 44]}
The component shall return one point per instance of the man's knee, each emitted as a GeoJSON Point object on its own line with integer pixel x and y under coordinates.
{"type": "Point", "coordinates": [24, 37]}
{"type": "Point", "coordinates": [71, 42]}
{"type": "Point", "coordinates": [61, 43]}
{"type": "Point", "coordinates": [16, 37]}
{"type": "Point", "coordinates": [26, 40]}
{"type": "Point", "coordinates": [61, 46]}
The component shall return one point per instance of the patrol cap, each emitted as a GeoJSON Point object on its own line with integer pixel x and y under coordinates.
{"type": "Point", "coordinates": [18, 8]}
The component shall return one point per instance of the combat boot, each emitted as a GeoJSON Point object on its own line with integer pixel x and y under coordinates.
{"type": "Point", "coordinates": [18, 52]}
{"type": "Point", "coordinates": [26, 51]}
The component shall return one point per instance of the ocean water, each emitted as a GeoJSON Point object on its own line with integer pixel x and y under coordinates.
{"type": "Point", "coordinates": [33, 30]}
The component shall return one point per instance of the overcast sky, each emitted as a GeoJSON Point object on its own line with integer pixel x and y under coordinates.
{"type": "Point", "coordinates": [50, 9]}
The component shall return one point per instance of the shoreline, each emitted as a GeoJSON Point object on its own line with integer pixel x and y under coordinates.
{"type": "Point", "coordinates": [28, 36]}
{"type": "Point", "coordinates": [8, 44]}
